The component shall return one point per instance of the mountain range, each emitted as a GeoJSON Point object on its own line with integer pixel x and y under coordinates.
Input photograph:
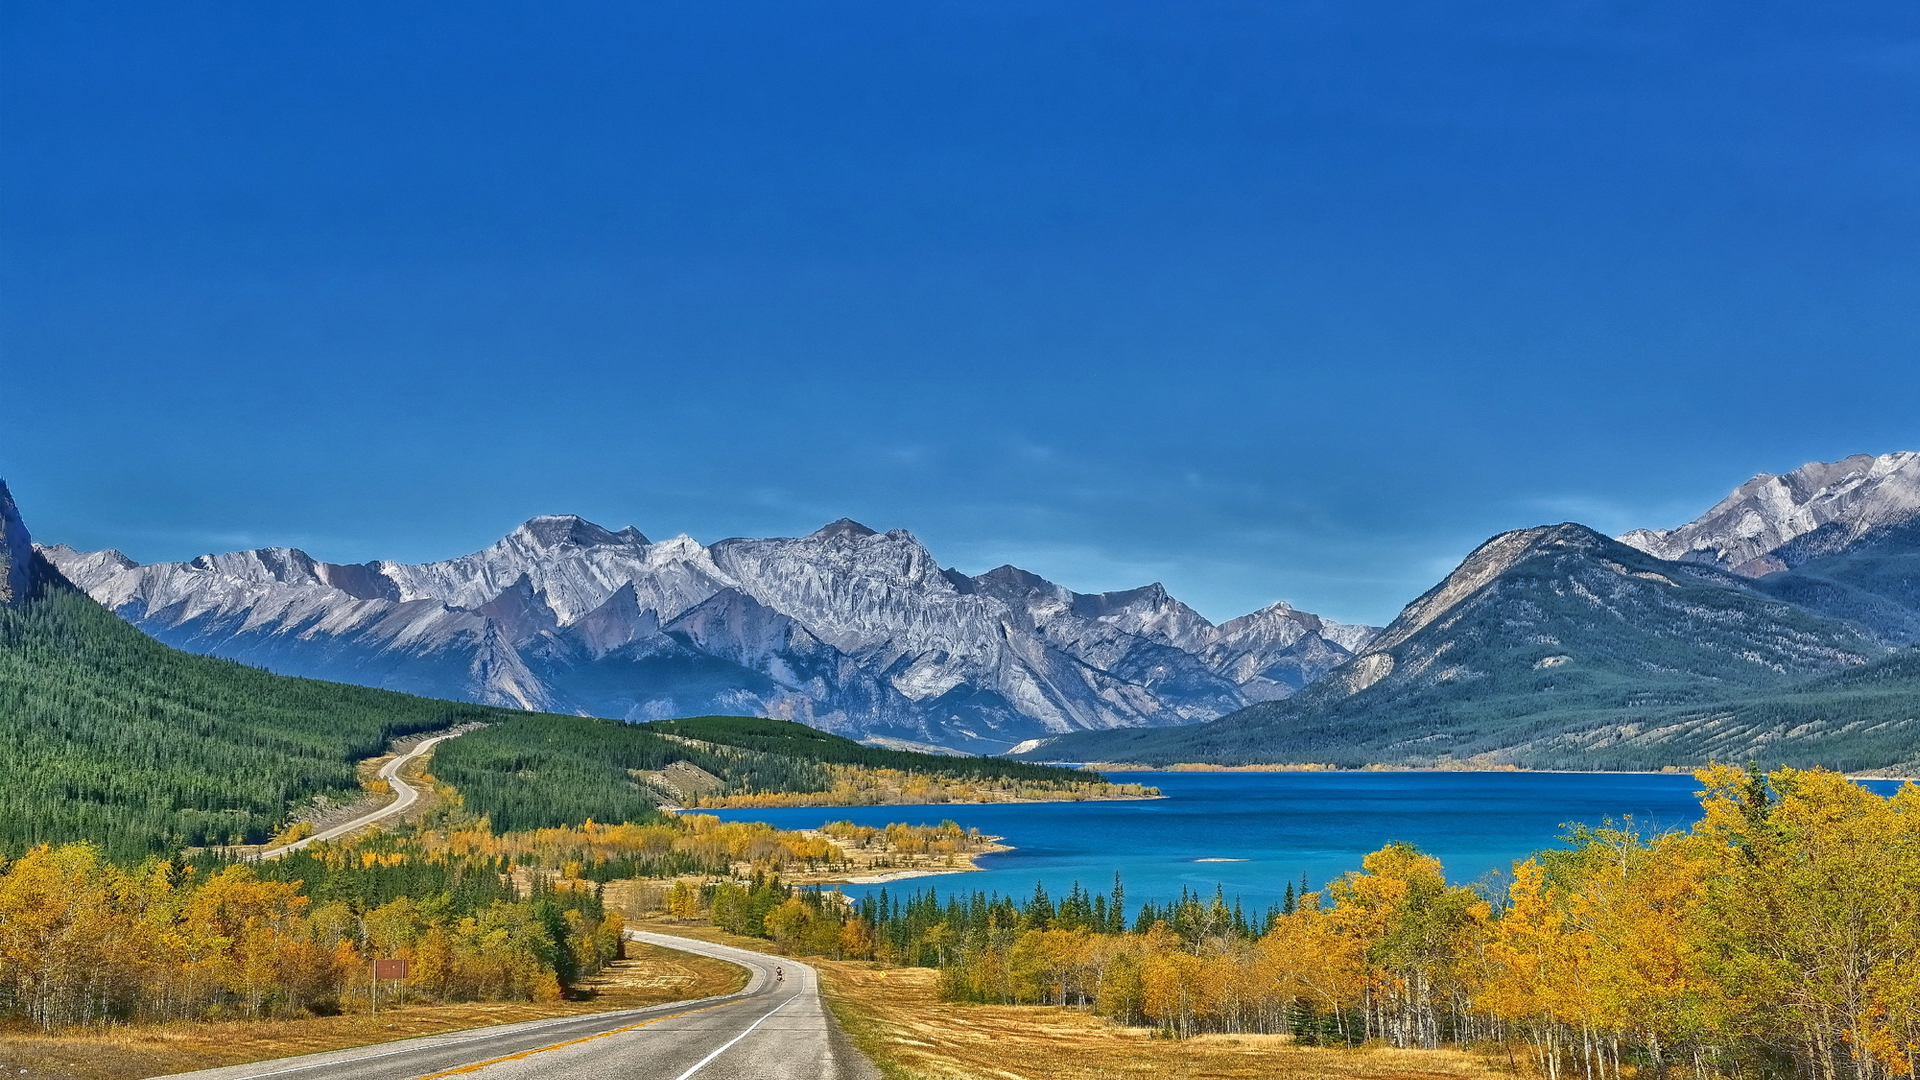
{"type": "Point", "coordinates": [848, 629]}
{"type": "Point", "coordinates": [1777, 626]}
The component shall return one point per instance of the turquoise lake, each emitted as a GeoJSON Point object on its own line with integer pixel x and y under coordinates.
{"type": "Point", "coordinates": [1284, 824]}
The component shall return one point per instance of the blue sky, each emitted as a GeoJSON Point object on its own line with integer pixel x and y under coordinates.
{"type": "Point", "coordinates": [1261, 300]}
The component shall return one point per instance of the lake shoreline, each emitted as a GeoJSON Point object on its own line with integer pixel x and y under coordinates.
{"type": "Point", "coordinates": [1287, 827]}
{"type": "Point", "coordinates": [669, 807]}
{"type": "Point", "coordinates": [1208, 767]}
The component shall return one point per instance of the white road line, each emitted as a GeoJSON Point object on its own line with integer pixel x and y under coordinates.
{"type": "Point", "coordinates": [668, 1009]}
{"type": "Point", "coordinates": [729, 1044]}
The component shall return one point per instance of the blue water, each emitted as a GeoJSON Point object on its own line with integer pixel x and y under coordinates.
{"type": "Point", "coordinates": [1284, 824]}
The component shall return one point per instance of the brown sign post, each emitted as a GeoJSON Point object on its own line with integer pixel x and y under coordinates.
{"type": "Point", "coordinates": [391, 970]}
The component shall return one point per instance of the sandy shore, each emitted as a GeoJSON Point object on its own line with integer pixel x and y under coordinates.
{"type": "Point", "coordinates": [896, 875]}
{"type": "Point", "coordinates": [963, 862]}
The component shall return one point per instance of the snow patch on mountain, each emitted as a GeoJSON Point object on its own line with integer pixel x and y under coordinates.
{"type": "Point", "coordinates": [1771, 523]}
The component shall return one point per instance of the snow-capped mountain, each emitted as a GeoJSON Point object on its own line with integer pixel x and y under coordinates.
{"type": "Point", "coordinates": [1773, 523]}
{"type": "Point", "coordinates": [847, 628]}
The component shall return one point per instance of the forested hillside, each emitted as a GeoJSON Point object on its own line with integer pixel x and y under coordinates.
{"type": "Point", "coordinates": [538, 770]}
{"type": "Point", "coordinates": [541, 770]}
{"type": "Point", "coordinates": [1863, 720]}
{"type": "Point", "coordinates": [110, 736]}
{"type": "Point", "coordinates": [1873, 581]}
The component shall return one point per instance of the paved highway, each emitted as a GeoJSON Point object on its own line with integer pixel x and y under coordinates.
{"type": "Point", "coordinates": [405, 795]}
{"type": "Point", "coordinates": [775, 1029]}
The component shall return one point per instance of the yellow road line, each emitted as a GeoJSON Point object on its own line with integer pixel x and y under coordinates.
{"type": "Point", "coordinates": [476, 1066]}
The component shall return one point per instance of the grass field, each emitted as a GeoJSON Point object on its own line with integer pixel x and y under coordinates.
{"type": "Point", "coordinates": [896, 1016]}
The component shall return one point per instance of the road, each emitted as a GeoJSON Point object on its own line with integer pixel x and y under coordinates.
{"type": "Point", "coordinates": [405, 795]}
{"type": "Point", "coordinates": [775, 1029]}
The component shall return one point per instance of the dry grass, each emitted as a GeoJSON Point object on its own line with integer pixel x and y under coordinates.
{"type": "Point", "coordinates": [896, 1017]}
{"type": "Point", "coordinates": [649, 976]}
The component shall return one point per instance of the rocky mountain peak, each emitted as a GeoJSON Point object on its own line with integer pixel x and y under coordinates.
{"type": "Point", "coordinates": [1149, 612]}
{"type": "Point", "coordinates": [1152, 597]}
{"type": "Point", "coordinates": [1010, 583]}
{"type": "Point", "coordinates": [1480, 568]}
{"type": "Point", "coordinates": [843, 529]}
{"type": "Point", "coordinates": [681, 548]}
{"type": "Point", "coordinates": [570, 530]}
{"type": "Point", "coordinates": [16, 551]}
{"type": "Point", "coordinates": [110, 560]}
{"type": "Point", "coordinates": [1564, 595]}
{"type": "Point", "coordinates": [1771, 523]}
{"type": "Point", "coordinates": [289, 566]}
{"type": "Point", "coordinates": [1281, 614]}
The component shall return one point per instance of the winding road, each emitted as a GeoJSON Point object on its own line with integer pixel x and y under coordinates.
{"type": "Point", "coordinates": [775, 1029]}
{"type": "Point", "coordinates": [405, 795]}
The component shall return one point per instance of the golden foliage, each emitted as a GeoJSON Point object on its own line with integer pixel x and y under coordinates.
{"type": "Point", "coordinates": [701, 839]}
{"type": "Point", "coordinates": [82, 940]}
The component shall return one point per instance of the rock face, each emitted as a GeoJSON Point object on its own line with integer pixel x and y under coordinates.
{"type": "Point", "coordinates": [1840, 538]}
{"type": "Point", "coordinates": [16, 552]}
{"type": "Point", "coordinates": [1564, 598]}
{"type": "Point", "coordinates": [848, 629]}
{"type": "Point", "coordinates": [1773, 523]}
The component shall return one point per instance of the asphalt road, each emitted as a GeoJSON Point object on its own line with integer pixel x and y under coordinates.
{"type": "Point", "coordinates": [405, 795]}
{"type": "Point", "coordinates": [775, 1029]}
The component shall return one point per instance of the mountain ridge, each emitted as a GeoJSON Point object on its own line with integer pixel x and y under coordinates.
{"type": "Point", "coordinates": [1547, 645]}
{"type": "Point", "coordinates": [1556, 647]}
{"type": "Point", "coordinates": [849, 628]}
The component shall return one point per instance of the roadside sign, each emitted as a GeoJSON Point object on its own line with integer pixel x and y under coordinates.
{"type": "Point", "coordinates": [389, 969]}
